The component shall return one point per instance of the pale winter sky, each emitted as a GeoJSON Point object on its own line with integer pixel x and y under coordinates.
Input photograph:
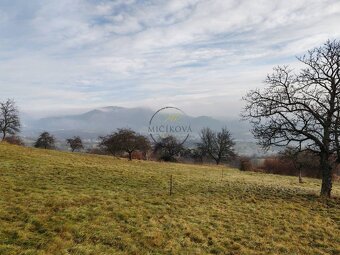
{"type": "Point", "coordinates": [59, 56]}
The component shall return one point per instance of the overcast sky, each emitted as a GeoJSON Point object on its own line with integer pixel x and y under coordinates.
{"type": "Point", "coordinates": [59, 56]}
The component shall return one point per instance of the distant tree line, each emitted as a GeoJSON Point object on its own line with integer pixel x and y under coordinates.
{"type": "Point", "coordinates": [216, 146]}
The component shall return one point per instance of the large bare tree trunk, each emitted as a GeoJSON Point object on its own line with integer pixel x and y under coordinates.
{"type": "Point", "coordinates": [326, 167]}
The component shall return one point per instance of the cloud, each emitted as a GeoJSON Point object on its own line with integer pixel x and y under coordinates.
{"type": "Point", "coordinates": [202, 55]}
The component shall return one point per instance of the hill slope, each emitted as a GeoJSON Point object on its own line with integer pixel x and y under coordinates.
{"type": "Point", "coordinates": [62, 203]}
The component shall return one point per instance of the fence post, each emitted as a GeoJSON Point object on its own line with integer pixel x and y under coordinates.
{"type": "Point", "coordinates": [171, 185]}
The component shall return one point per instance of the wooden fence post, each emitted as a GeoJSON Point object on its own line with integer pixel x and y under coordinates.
{"type": "Point", "coordinates": [170, 185]}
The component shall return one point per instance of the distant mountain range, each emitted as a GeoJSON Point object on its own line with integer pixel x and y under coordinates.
{"type": "Point", "coordinates": [105, 120]}
{"type": "Point", "coordinates": [102, 121]}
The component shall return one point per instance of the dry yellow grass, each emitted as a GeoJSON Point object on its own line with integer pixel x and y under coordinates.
{"type": "Point", "coordinates": [61, 203]}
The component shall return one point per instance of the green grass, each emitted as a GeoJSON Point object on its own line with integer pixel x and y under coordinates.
{"type": "Point", "coordinates": [61, 203]}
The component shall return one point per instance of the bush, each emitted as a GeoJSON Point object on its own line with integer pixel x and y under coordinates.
{"type": "Point", "coordinates": [310, 166]}
{"type": "Point", "coordinates": [16, 140]}
{"type": "Point", "coordinates": [245, 164]}
{"type": "Point", "coordinates": [276, 165]}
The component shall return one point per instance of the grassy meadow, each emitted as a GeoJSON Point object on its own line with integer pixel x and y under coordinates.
{"type": "Point", "coordinates": [71, 203]}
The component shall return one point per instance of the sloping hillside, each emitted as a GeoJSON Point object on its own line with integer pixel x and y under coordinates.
{"type": "Point", "coordinates": [62, 203]}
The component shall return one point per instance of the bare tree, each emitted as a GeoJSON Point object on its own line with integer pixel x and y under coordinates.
{"type": "Point", "coordinates": [75, 143]}
{"type": "Point", "coordinates": [301, 109]}
{"type": "Point", "coordinates": [217, 145]}
{"type": "Point", "coordinates": [45, 140]}
{"type": "Point", "coordinates": [168, 148]}
{"type": "Point", "coordinates": [198, 154]}
{"type": "Point", "coordinates": [9, 118]}
{"type": "Point", "coordinates": [124, 140]}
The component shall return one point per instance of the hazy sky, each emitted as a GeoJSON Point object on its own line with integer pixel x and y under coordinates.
{"type": "Point", "coordinates": [199, 55]}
